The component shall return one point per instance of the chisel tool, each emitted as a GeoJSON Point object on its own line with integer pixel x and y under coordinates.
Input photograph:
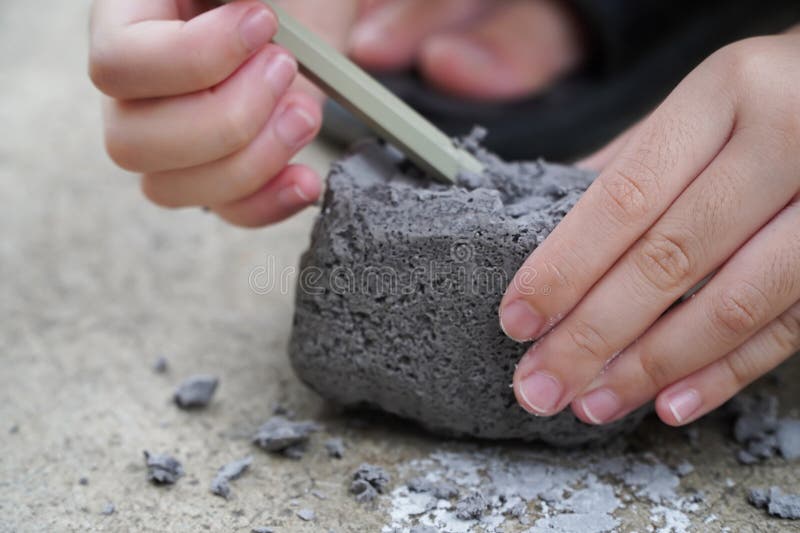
{"type": "Point", "coordinates": [387, 115]}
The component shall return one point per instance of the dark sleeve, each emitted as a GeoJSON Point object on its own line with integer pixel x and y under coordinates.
{"type": "Point", "coordinates": [621, 31]}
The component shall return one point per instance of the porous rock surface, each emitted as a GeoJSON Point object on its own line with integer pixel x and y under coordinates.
{"type": "Point", "coordinates": [398, 293]}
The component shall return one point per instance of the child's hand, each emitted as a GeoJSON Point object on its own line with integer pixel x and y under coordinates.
{"type": "Point", "coordinates": [480, 49]}
{"type": "Point", "coordinates": [200, 105]}
{"type": "Point", "coordinates": [710, 182]}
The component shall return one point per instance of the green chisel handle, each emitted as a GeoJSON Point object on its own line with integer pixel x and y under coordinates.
{"type": "Point", "coordinates": [388, 116]}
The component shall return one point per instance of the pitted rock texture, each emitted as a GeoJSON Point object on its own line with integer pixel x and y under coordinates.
{"type": "Point", "coordinates": [398, 293]}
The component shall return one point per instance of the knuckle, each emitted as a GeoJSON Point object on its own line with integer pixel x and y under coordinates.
{"type": "Point", "coordinates": [749, 58]}
{"type": "Point", "coordinates": [786, 334]}
{"type": "Point", "coordinates": [588, 340]}
{"type": "Point", "coordinates": [664, 261]}
{"type": "Point", "coordinates": [239, 126]}
{"type": "Point", "coordinates": [656, 368]}
{"type": "Point", "coordinates": [624, 196]}
{"type": "Point", "coordinates": [560, 271]}
{"type": "Point", "coordinates": [245, 178]}
{"type": "Point", "coordinates": [738, 310]}
{"type": "Point", "coordinates": [204, 70]}
{"type": "Point", "coordinates": [742, 367]}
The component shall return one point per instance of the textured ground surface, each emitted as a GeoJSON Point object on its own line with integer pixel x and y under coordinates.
{"type": "Point", "coordinates": [97, 284]}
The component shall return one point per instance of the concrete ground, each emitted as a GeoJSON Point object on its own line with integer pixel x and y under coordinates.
{"type": "Point", "coordinates": [98, 283]}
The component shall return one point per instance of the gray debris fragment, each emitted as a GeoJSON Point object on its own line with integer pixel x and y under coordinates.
{"type": "Point", "coordinates": [472, 507]}
{"type": "Point", "coordinates": [363, 491]}
{"type": "Point", "coordinates": [279, 435]}
{"type": "Point", "coordinates": [788, 438]}
{"type": "Point", "coordinates": [423, 529]}
{"type": "Point", "coordinates": [220, 485]}
{"type": "Point", "coordinates": [262, 529]}
{"type": "Point", "coordinates": [83, 480]}
{"type": "Point", "coordinates": [196, 391]}
{"type": "Point", "coordinates": [520, 512]}
{"type": "Point", "coordinates": [684, 469]}
{"type": "Point", "coordinates": [307, 515]}
{"type": "Point", "coordinates": [108, 509]}
{"type": "Point", "coordinates": [319, 495]}
{"type": "Point", "coordinates": [441, 490]}
{"type": "Point", "coordinates": [758, 498]}
{"type": "Point", "coordinates": [281, 410]}
{"type": "Point", "coordinates": [13, 429]}
{"type": "Point", "coordinates": [295, 452]}
{"type": "Point", "coordinates": [335, 448]}
{"type": "Point", "coordinates": [160, 365]}
{"type": "Point", "coordinates": [697, 496]}
{"type": "Point", "coordinates": [656, 482]}
{"type": "Point", "coordinates": [369, 481]}
{"type": "Point", "coordinates": [776, 502]}
{"type": "Point", "coordinates": [755, 427]}
{"type": "Point", "coordinates": [746, 458]}
{"type": "Point", "coordinates": [572, 522]}
{"type": "Point", "coordinates": [162, 469]}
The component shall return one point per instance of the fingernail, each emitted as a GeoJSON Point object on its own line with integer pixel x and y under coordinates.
{"type": "Point", "coordinates": [294, 126]}
{"type": "Point", "coordinates": [600, 405]}
{"type": "Point", "coordinates": [540, 393]}
{"type": "Point", "coordinates": [256, 28]}
{"type": "Point", "coordinates": [684, 404]}
{"type": "Point", "coordinates": [280, 72]}
{"type": "Point", "coordinates": [520, 321]}
{"type": "Point", "coordinates": [293, 196]}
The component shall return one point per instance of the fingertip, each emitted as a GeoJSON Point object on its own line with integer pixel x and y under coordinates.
{"type": "Point", "coordinates": [665, 414]}
{"type": "Point", "coordinates": [294, 189]}
{"type": "Point", "coordinates": [580, 413]}
{"type": "Point", "coordinates": [308, 183]}
{"type": "Point", "coordinates": [257, 26]}
{"type": "Point", "coordinates": [375, 44]}
{"type": "Point", "coordinates": [671, 412]}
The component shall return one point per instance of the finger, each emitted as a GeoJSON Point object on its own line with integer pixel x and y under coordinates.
{"type": "Point", "coordinates": [295, 123]}
{"type": "Point", "coordinates": [710, 387]}
{"type": "Point", "coordinates": [755, 286]}
{"type": "Point", "coordinates": [670, 149]}
{"type": "Point", "coordinates": [700, 231]}
{"type": "Point", "coordinates": [185, 131]}
{"type": "Point", "coordinates": [294, 189]}
{"type": "Point", "coordinates": [142, 49]}
{"type": "Point", "coordinates": [516, 50]}
{"type": "Point", "coordinates": [388, 37]}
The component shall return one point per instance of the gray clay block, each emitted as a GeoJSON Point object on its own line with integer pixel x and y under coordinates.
{"type": "Point", "coordinates": [399, 291]}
